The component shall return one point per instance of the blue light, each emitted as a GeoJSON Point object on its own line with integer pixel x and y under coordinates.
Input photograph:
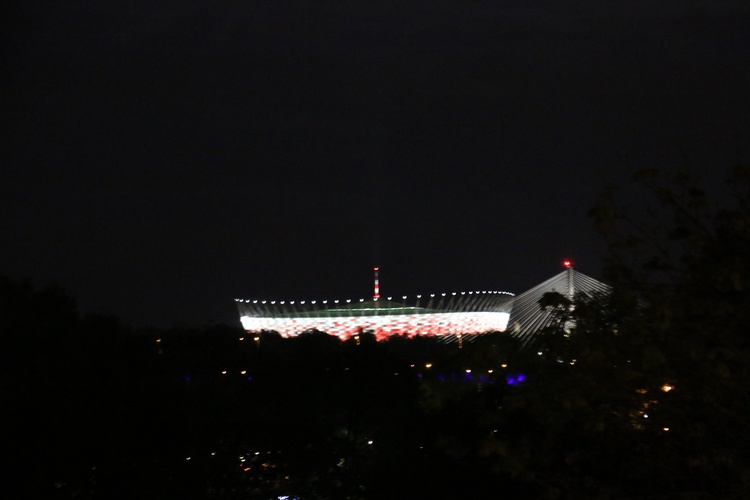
{"type": "Point", "coordinates": [513, 379]}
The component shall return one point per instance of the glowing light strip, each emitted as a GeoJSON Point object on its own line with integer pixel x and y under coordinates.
{"type": "Point", "coordinates": [406, 308]}
{"type": "Point", "coordinates": [344, 327]}
{"type": "Point", "coordinates": [405, 297]}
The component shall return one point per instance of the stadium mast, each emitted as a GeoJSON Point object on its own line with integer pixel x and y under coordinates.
{"type": "Point", "coordinates": [376, 296]}
{"type": "Point", "coordinates": [571, 283]}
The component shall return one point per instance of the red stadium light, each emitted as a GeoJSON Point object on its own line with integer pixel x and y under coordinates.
{"type": "Point", "coordinates": [567, 263]}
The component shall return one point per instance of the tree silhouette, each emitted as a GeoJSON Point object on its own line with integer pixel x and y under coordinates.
{"type": "Point", "coordinates": [651, 380]}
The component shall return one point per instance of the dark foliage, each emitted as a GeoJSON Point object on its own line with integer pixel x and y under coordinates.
{"type": "Point", "coordinates": [641, 393]}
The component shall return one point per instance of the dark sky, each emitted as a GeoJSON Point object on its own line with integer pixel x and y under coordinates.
{"type": "Point", "coordinates": [162, 158]}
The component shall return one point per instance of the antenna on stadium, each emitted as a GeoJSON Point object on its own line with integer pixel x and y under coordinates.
{"type": "Point", "coordinates": [376, 296]}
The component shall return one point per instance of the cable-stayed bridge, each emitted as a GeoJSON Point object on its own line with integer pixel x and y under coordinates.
{"type": "Point", "coordinates": [527, 317]}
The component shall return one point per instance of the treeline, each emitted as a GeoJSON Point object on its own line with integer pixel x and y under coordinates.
{"type": "Point", "coordinates": [641, 393]}
{"type": "Point", "coordinates": [98, 410]}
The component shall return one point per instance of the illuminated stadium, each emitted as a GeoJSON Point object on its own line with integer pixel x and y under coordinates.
{"type": "Point", "coordinates": [448, 315]}
{"type": "Point", "coordinates": [435, 314]}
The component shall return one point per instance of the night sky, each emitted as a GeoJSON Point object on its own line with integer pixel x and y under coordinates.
{"type": "Point", "coordinates": [162, 158]}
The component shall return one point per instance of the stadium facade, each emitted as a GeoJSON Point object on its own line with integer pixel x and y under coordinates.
{"type": "Point", "coordinates": [448, 315]}
{"type": "Point", "coordinates": [434, 314]}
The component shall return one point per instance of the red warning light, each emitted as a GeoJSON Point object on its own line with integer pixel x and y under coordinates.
{"type": "Point", "coordinates": [567, 263]}
{"type": "Point", "coordinates": [375, 268]}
